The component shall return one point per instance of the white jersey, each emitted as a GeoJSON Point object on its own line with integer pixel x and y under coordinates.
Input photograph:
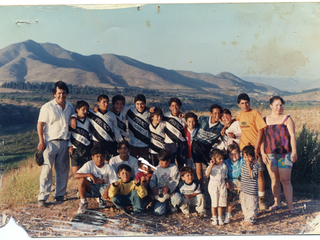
{"type": "Point", "coordinates": [80, 137]}
{"type": "Point", "coordinates": [138, 127]}
{"type": "Point", "coordinates": [157, 137]}
{"type": "Point", "coordinates": [174, 128]}
{"type": "Point", "coordinates": [104, 126]}
{"type": "Point", "coordinates": [121, 120]}
{"type": "Point", "coordinates": [116, 161]}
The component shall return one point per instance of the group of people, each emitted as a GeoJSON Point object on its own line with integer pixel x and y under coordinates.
{"type": "Point", "coordinates": [162, 162]}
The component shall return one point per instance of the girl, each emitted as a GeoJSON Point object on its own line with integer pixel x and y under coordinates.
{"type": "Point", "coordinates": [218, 184]}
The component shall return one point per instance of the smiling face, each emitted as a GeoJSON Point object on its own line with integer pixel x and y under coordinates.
{"type": "Point", "coordinates": [191, 123]}
{"type": "Point", "coordinates": [98, 160]}
{"type": "Point", "coordinates": [103, 104]}
{"type": "Point", "coordinates": [174, 108]}
{"type": "Point", "coordinates": [187, 177]}
{"type": "Point", "coordinates": [118, 106]}
{"type": "Point", "coordinates": [234, 155]}
{"type": "Point", "coordinates": [226, 118]}
{"type": "Point", "coordinates": [215, 115]}
{"type": "Point", "coordinates": [156, 119]}
{"type": "Point", "coordinates": [124, 175]}
{"type": "Point", "coordinates": [244, 105]}
{"type": "Point", "coordinates": [123, 152]}
{"type": "Point", "coordinates": [60, 96]}
{"type": "Point", "coordinates": [248, 157]}
{"type": "Point", "coordinates": [82, 112]}
{"type": "Point", "coordinates": [277, 107]}
{"type": "Point", "coordinates": [140, 106]}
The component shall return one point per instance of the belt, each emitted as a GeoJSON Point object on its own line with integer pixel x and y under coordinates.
{"type": "Point", "coordinates": [58, 140]}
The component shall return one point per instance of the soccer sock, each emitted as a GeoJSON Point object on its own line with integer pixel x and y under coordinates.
{"type": "Point", "coordinates": [84, 200]}
{"type": "Point", "coordinates": [228, 215]}
{"type": "Point", "coordinates": [261, 194]}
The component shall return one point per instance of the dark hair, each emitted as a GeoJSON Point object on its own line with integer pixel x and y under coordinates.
{"type": "Point", "coordinates": [176, 100]}
{"type": "Point", "coordinates": [80, 104]}
{"type": "Point", "coordinates": [272, 99]}
{"type": "Point", "coordinates": [185, 170]}
{"type": "Point", "coordinates": [102, 96]}
{"type": "Point", "coordinates": [213, 106]}
{"type": "Point", "coordinates": [140, 97]}
{"type": "Point", "coordinates": [226, 111]}
{"type": "Point", "coordinates": [215, 152]}
{"type": "Point", "coordinates": [125, 167]}
{"type": "Point", "coordinates": [164, 155]}
{"type": "Point", "coordinates": [157, 111]}
{"type": "Point", "coordinates": [98, 149]}
{"type": "Point", "coordinates": [118, 97]}
{"type": "Point", "coordinates": [232, 147]}
{"type": "Point", "coordinates": [248, 150]}
{"type": "Point", "coordinates": [61, 85]}
{"type": "Point", "coordinates": [191, 115]}
{"type": "Point", "coordinates": [243, 96]}
{"type": "Point", "coordinates": [123, 142]}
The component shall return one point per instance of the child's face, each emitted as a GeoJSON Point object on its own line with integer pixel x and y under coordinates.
{"type": "Point", "coordinates": [156, 119]}
{"type": "Point", "coordinates": [188, 178]}
{"type": "Point", "coordinates": [118, 106]}
{"type": "Point", "coordinates": [234, 155]}
{"type": "Point", "coordinates": [277, 106]}
{"type": "Point", "coordinates": [124, 175]}
{"type": "Point", "coordinates": [123, 151]}
{"type": "Point", "coordinates": [103, 104]}
{"type": "Point", "coordinates": [99, 159]}
{"type": "Point", "coordinates": [146, 169]}
{"type": "Point", "coordinates": [191, 123]}
{"type": "Point", "coordinates": [218, 159]}
{"type": "Point", "coordinates": [244, 105]}
{"type": "Point", "coordinates": [82, 112]}
{"type": "Point", "coordinates": [248, 158]}
{"type": "Point", "coordinates": [226, 118]}
{"type": "Point", "coordinates": [164, 164]}
{"type": "Point", "coordinates": [140, 106]}
{"type": "Point", "coordinates": [174, 108]}
{"type": "Point", "coordinates": [215, 115]}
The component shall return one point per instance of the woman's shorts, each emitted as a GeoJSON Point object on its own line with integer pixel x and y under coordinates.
{"type": "Point", "coordinates": [280, 160]}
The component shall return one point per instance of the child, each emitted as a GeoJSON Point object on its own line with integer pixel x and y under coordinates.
{"type": "Point", "coordinates": [234, 165]}
{"type": "Point", "coordinates": [249, 186]}
{"type": "Point", "coordinates": [206, 136]}
{"type": "Point", "coordinates": [104, 126]}
{"type": "Point", "coordinates": [127, 192]}
{"type": "Point", "coordinates": [138, 122]}
{"type": "Point", "coordinates": [80, 140]}
{"type": "Point", "coordinates": [175, 140]}
{"type": "Point", "coordinates": [188, 194]}
{"type": "Point", "coordinates": [144, 176]}
{"type": "Point", "coordinates": [164, 181]}
{"type": "Point", "coordinates": [252, 126]}
{"type": "Point", "coordinates": [94, 177]}
{"type": "Point", "coordinates": [218, 173]}
{"type": "Point", "coordinates": [190, 131]}
{"type": "Point", "coordinates": [120, 110]}
{"type": "Point", "coordinates": [123, 149]}
{"type": "Point", "coordinates": [157, 131]}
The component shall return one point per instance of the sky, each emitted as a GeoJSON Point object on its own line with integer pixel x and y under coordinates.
{"type": "Point", "coordinates": [246, 39]}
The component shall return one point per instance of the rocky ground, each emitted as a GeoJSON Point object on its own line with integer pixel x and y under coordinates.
{"type": "Point", "coordinates": [62, 220]}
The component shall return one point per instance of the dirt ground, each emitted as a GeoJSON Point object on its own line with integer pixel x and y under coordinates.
{"type": "Point", "coordinates": [62, 220]}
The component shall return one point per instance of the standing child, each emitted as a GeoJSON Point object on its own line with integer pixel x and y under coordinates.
{"type": "Point", "coordinates": [164, 181]}
{"type": "Point", "coordinates": [234, 165]}
{"type": "Point", "coordinates": [80, 140]}
{"type": "Point", "coordinates": [218, 173]}
{"type": "Point", "coordinates": [188, 194]}
{"type": "Point", "coordinates": [126, 191]}
{"type": "Point", "coordinates": [249, 186]}
{"type": "Point", "coordinates": [190, 131]}
{"type": "Point", "coordinates": [157, 131]}
{"type": "Point", "coordinates": [120, 110]}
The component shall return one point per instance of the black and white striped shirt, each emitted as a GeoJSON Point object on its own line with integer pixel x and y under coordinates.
{"type": "Point", "coordinates": [138, 124]}
{"type": "Point", "coordinates": [174, 128]}
{"type": "Point", "coordinates": [249, 185]}
{"type": "Point", "coordinates": [80, 137]}
{"type": "Point", "coordinates": [157, 137]}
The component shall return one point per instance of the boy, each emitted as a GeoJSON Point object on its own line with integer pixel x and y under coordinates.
{"type": "Point", "coordinates": [207, 135]}
{"type": "Point", "coordinates": [157, 131]}
{"type": "Point", "coordinates": [120, 110]}
{"type": "Point", "coordinates": [127, 192]}
{"type": "Point", "coordinates": [94, 178]}
{"type": "Point", "coordinates": [80, 140]}
{"type": "Point", "coordinates": [138, 122]}
{"type": "Point", "coordinates": [188, 194]}
{"type": "Point", "coordinates": [252, 126]}
{"type": "Point", "coordinates": [249, 186]}
{"type": "Point", "coordinates": [175, 140]}
{"type": "Point", "coordinates": [123, 149]}
{"type": "Point", "coordinates": [190, 131]}
{"type": "Point", "coordinates": [164, 181]}
{"type": "Point", "coordinates": [104, 126]}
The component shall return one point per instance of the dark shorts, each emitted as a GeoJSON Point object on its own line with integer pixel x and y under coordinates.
{"type": "Point", "coordinates": [200, 152]}
{"type": "Point", "coordinates": [80, 157]}
{"type": "Point", "coordinates": [233, 195]}
{"type": "Point", "coordinates": [96, 190]}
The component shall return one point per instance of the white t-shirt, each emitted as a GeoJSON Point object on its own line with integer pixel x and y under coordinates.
{"type": "Point", "coordinates": [116, 161]}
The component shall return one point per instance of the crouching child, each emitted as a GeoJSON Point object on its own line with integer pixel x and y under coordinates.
{"type": "Point", "coordinates": [94, 176]}
{"type": "Point", "coordinates": [127, 192]}
{"type": "Point", "coordinates": [188, 194]}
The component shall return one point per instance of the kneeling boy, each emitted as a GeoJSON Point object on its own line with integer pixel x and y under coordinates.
{"type": "Point", "coordinates": [127, 192]}
{"type": "Point", "coordinates": [189, 194]}
{"type": "Point", "coordinates": [94, 178]}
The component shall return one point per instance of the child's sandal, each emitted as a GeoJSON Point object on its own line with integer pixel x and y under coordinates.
{"type": "Point", "coordinates": [274, 208]}
{"type": "Point", "coordinates": [294, 211]}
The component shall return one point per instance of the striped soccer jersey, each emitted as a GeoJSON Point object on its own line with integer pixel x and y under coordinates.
{"type": "Point", "coordinates": [157, 137]}
{"type": "Point", "coordinates": [80, 137]}
{"type": "Point", "coordinates": [121, 121]}
{"type": "Point", "coordinates": [208, 133]}
{"type": "Point", "coordinates": [174, 128]}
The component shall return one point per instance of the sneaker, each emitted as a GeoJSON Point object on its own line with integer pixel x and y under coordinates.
{"type": "Point", "coordinates": [42, 203]}
{"type": "Point", "coordinates": [173, 209]}
{"type": "Point", "coordinates": [262, 205]}
{"type": "Point", "coordinates": [102, 204]}
{"type": "Point", "coordinates": [220, 220]}
{"type": "Point", "coordinates": [78, 195]}
{"type": "Point", "coordinates": [227, 220]}
{"type": "Point", "coordinates": [82, 207]}
{"type": "Point", "coordinates": [59, 198]}
{"type": "Point", "coordinates": [214, 221]}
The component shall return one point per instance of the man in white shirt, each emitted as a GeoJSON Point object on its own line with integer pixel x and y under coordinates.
{"type": "Point", "coordinates": [53, 132]}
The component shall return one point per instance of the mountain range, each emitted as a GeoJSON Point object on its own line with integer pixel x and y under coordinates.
{"type": "Point", "coordinates": [30, 61]}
